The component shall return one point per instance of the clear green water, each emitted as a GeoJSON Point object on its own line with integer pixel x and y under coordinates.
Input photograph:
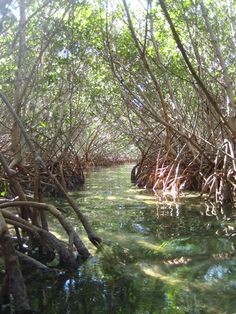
{"type": "Point", "coordinates": [157, 257]}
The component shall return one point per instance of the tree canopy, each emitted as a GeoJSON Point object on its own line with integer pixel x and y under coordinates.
{"type": "Point", "coordinates": [96, 82]}
{"type": "Point", "coordinates": [107, 81]}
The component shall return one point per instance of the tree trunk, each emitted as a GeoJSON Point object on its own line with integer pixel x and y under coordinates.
{"type": "Point", "coordinates": [93, 237]}
{"type": "Point", "coordinates": [15, 281]}
{"type": "Point", "coordinates": [227, 79]}
{"type": "Point", "coordinates": [207, 93]}
{"type": "Point", "coordinates": [156, 84]}
{"type": "Point", "coordinates": [18, 144]}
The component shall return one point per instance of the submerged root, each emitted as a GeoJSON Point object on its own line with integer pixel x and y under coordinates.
{"type": "Point", "coordinates": [44, 236]}
{"type": "Point", "coordinates": [41, 246]}
{"type": "Point", "coordinates": [32, 243]}
{"type": "Point", "coordinates": [14, 282]}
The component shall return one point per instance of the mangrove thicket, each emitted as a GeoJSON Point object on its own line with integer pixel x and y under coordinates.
{"type": "Point", "coordinates": [88, 83]}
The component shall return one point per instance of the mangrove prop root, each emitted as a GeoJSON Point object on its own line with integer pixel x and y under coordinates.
{"type": "Point", "coordinates": [67, 258]}
{"type": "Point", "coordinates": [187, 172]}
{"type": "Point", "coordinates": [46, 240]}
{"type": "Point", "coordinates": [15, 281]}
{"type": "Point", "coordinates": [39, 164]}
{"type": "Point", "coordinates": [81, 249]}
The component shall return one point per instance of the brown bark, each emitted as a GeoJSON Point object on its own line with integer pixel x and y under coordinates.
{"type": "Point", "coordinates": [93, 237]}
{"type": "Point", "coordinates": [56, 213]}
{"type": "Point", "coordinates": [44, 239]}
{"type": "Point", "coordinates": [15, 281]}
{"type": "Point", "coordinates": [16, 186]}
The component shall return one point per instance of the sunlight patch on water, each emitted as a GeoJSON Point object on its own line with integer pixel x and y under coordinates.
{"type": "Point", "coordinates": [157, 272]}
{"type": "Point", "coordinates": [60, 235]}
{"type": "Point", "coordinates": [158, 256]}
{"type": "Point", "coordinates": [149, 245]}
{"type": "Point", "coordinates": [216, 272]}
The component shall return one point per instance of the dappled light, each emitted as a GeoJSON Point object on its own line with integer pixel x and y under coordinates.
{"type": "Point", "coordinates": [117, 156]}
{"type": "Point", "coordinates": [154, 257]}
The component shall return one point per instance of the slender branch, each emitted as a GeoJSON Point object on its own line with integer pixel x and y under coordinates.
{"type": "Point", "coordinates": [95, 239]}
{"type": "Point", "coordinates": [210, 98]}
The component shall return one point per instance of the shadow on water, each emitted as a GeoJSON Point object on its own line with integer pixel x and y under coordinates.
{"type": "Point", "coordinates": [156, 258]}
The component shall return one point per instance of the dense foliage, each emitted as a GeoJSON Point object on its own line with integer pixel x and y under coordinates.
{"type": "Point", "coordinates": [93, 82]}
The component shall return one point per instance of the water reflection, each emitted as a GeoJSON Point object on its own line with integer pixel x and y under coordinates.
{"type": "Point", "coordinates": [158, 257]}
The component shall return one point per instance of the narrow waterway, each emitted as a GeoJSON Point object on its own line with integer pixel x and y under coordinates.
{"type": "Point", "coordinates": [158, 257]}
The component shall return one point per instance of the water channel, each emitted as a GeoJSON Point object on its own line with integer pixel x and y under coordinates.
{"type": "Point", "coordinates": [158, 257]}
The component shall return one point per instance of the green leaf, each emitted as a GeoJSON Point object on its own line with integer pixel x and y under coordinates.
{"type": "Point", "coordinates": [187, 3]}
{"type": "Point", "coordinates": [5, 187]}
{"type": "Point", "coordinates": [3, 193]}
{"type": "Point", "coordinates": [43, 124]}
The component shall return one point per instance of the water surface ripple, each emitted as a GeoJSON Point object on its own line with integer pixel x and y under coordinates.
{"type": "Point", "coordinates": [158, 257]}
